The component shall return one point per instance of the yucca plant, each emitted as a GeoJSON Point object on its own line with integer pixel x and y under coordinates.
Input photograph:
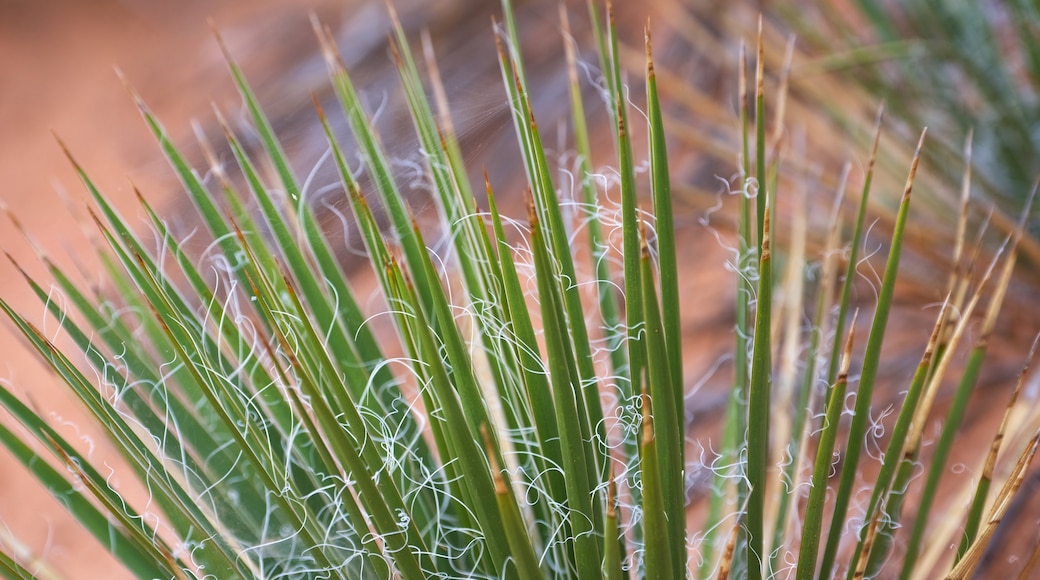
{"type": "Point", "coordinates": [526, 419]}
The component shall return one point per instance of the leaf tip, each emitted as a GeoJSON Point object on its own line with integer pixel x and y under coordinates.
{"type": "Point", "coordinates": [212, 23]}
{"type": "Point", "coordinates": [131, 90]}
{"type": "Point", "coordinates": [65, 150]}
{"type": "Point", "coordinates": [649, 51]}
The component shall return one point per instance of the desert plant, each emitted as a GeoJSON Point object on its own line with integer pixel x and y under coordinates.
{"type": "Point", "coordinates": [518, 424]}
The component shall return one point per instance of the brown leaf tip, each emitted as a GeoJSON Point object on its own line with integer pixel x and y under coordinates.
{"type": "Point", "coordinates": [649, 51]}
{"type": "Point", "coordinates": [766, 254]}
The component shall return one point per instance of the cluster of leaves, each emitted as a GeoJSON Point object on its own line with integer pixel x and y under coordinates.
{"type": "Point", "coordinates": [278, 439]}
{"type": "Point", "coordinates": [894, 479]}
